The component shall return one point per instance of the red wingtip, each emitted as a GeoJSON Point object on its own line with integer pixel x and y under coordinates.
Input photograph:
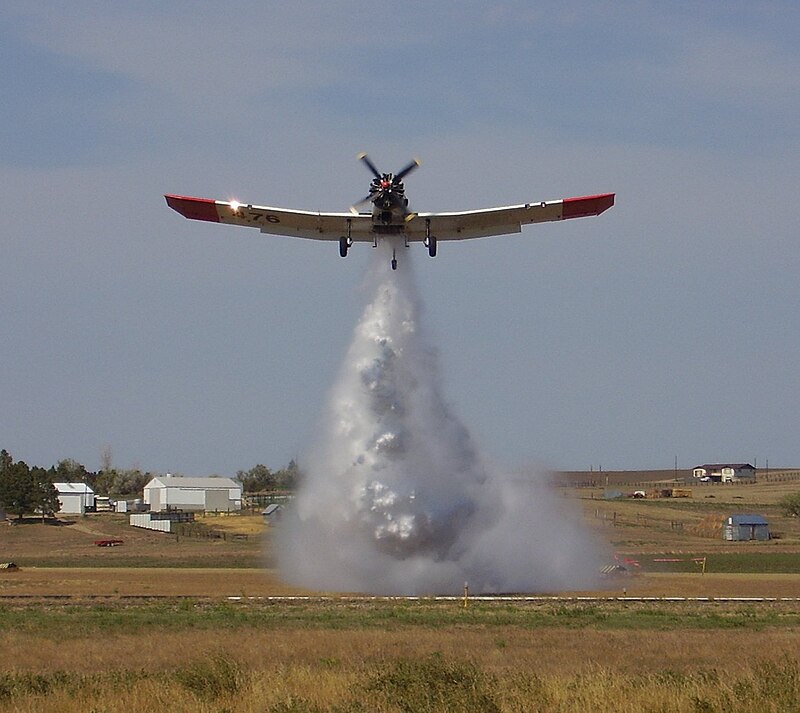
{"type": "Point", "coordinates": [194, 208]}
{"type": "Point", "coordinates": [587, 205]}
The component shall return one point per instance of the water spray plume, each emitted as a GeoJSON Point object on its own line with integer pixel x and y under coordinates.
{"type": "Point", "coordinates": [397, 498]}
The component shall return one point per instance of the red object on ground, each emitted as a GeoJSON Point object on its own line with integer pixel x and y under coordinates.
{"type": "Point", "coordinates": [107, 543]}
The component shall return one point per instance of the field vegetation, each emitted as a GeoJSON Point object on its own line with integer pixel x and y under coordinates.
{"type": "Point", "coordinates": [391, 656]}
{"type": "Point", "coordinates": [148, 624]}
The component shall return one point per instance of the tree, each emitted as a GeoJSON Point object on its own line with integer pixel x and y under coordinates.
{"type": "Point", "coordinates": [70, 471]}
{"type": "Point", "coordinates": [131, 482]}
{"type": "Point", "coordinates": [257, 479]}
{"type": "Point", "coordinates": [16, 493]}
{"type": "Point", "coordinates": [45, 495]}
{"type": "Point", "coordinates": [790, 504]}
{"type": "Point", "coordinates": [26, 490]}
{"type": "Point", "coordinates": [260, 479]}
{"type": "Point", "coordinates": [106, 459]}
{"type": "Point", "coordinates": [288, 478]}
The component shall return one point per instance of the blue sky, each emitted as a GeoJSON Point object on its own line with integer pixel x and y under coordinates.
{"type": "Point", "coordinates": [666, 327]}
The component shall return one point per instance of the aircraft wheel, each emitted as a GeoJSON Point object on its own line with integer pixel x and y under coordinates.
{"type": "Point", "coordinates": [343, 247]}
{"type": "Point", "coordinates": [432, 246]}
{"type": "Point", "coordinates": [394, 264]}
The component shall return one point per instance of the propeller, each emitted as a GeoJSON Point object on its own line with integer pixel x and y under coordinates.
{"type": "Point", "coordinates": [384, 185]}
{"type": "Point", "coordinates": [363, 157]}
{"type": "Point", "coordinates": [408, 169]}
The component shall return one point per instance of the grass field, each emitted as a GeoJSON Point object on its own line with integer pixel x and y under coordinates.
{"type": "Point", "coordinates": [399, 657]}
{"type": "Point", "coordinates": [186, 647]}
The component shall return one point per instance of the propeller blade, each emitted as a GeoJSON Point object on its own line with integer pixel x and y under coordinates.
{"type": "Point", "coordinates": [363, 157]}
{"type": "Point", "coordinates": [363, 201]}
{"type": "Point", "coordinates": [408, 169]}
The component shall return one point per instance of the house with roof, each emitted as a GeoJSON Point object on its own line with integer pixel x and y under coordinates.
{"type": "Point", "coordinates": [74, 498]}
{"type": "Point", "coordinates": [212, 494]}
{"type": "Point", "coordinates": [725, 472]}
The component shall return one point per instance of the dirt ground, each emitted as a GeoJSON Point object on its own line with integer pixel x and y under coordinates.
{"type": "Point", "coordinates": [70, 542]}
{"type": "Point", "coordinates": [251, 582]}
{"type": "Point", "coordinates": [62, 558]}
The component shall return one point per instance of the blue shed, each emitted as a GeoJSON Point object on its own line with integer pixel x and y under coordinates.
{"type": "Point", "coordinates": [746, 527]}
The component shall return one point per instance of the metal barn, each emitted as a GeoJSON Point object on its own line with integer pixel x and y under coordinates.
{"type": "Point", "coordinates": [193, 494]}
{"type": "Point", "coordinates": [746, 527]}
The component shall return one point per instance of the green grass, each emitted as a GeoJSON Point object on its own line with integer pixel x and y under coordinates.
{"type": "Point", "coordinates": [77, 621]}
{"type": "Point", "coordinates": [747, 562]}
{"type": "Point", "coordinates": [102, 558]}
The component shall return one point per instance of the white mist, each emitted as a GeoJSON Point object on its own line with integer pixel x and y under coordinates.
{"type": "Point", "coordinates": [397, 499]}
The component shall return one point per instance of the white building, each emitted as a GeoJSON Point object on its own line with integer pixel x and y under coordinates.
{"type": "Point", "coordinates": [193, 494]}
{"type": "Point", "coordinates": [725, 472]}
{"type": "Point", "coordinates": [74, 498]}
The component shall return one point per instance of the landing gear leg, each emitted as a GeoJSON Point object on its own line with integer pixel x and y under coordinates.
{"type": "Point", "coordinates": [345, 242]}
{"type": "Point", "coordinates": [430, 241]}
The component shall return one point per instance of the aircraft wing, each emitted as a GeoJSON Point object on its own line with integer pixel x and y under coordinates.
{"type": "Point", "coordinates": [500, 221]}
{"type": "Point", "coordinates": [277, 221]}
{"type": "Point", "coordinates": [442, 226]}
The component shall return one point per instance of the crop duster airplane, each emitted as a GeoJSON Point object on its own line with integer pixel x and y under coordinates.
{"type": "Point", "coordinates": [390, 218]}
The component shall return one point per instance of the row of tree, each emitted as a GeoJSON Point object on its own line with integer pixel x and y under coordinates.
{"type": "Point", "coordinates": [25, 489]}
{"type": "Point", "coordinates": [107, 481]}
{"type": "Point", "coordinates": [261, 479]}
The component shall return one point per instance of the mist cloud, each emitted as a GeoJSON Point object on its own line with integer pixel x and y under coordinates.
{"type": "Point", "coordinates": [397, 498]}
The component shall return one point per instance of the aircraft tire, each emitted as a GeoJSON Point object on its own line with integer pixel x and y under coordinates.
{"type": "Point", "coordinates": [432, 246]}
{"type": "Point", "coordinates": [343, 247]}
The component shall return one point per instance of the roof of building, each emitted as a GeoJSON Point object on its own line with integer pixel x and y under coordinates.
{"type": "Point", "coordinates": [176, 481]}
{"type": "Point", "coordinates": [747, 520]}
{"type": "Point", "coordinates": [718, 466]}
{"type": "Point", "coordinates": [73, 488]}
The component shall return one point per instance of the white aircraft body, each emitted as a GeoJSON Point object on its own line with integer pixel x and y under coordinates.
{"type": "Point", "coordinates": [390, 217]}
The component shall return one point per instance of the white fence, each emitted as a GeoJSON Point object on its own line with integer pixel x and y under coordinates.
{"type": "Point", "coordinates": [143, 520]}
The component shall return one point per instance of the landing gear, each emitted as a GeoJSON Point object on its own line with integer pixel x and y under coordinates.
{"type": "Point", "coordinates": [345, 242]}
{"type": "Point", "coordinates": [430, 241]}
{"type": "Point", "coordinates": [394, 259]}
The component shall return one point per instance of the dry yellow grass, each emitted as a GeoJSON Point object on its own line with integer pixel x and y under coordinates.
{"type": "Point", "coordinates": [497, 649]}
{"type": "Point", "coordinates": [513, 669]}
{"type": "Point", "coordinates": [235, 524]}
{"type": "Point", "coordinates": [139, 581]}
{"type": "Point", "coordinates": [252, 582]}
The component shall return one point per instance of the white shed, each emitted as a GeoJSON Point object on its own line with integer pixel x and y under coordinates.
{"type": "Point", "coordinates": [74, 498]}
{"type": "Point", "coordinates": [212, 494]}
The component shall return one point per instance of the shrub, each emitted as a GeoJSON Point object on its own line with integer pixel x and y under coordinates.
{"type": "Point", "coordinates": [216, 677]}
{"type": "Point", "coordinates": [435, 684]}
{"type": "Point", "coordinates": [790, 504]}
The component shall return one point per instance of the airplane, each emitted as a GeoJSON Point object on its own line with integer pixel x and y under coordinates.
{"type": "Point", "coordinates": [390, 218]}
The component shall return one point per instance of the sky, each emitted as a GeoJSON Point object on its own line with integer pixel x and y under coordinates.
{"type": "Point", "coordinates": [667, 328]}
